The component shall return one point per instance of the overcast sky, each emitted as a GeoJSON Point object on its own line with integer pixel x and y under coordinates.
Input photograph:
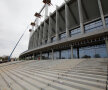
{"type": "Point", "coordinates": [15, 16]}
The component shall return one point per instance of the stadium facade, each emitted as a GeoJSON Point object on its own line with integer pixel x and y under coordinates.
{"type": "Point", "coordinates": [77, 29]}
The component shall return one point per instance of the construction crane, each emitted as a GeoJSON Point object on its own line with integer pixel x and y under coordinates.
{"type": "Point", "coordinates": [9, 58]}
{"type": "Point", "coordinates": [38, 15]}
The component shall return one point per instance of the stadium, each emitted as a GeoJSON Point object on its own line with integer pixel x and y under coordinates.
{"type": "Point", "coordinates": [67, 51]}
{"type": "Point", "coordinates": [76, 29]}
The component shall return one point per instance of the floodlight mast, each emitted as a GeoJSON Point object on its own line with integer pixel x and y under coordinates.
{"type": "Point", "coordinates": [38, 15]}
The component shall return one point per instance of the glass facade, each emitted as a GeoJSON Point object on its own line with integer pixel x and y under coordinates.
{"type": "Point", "coordinates": [45, 56]}
{"type": "Point", "coordinates": [75, 53]}
{"type": "Point", "coordinates": [75, 32]}
{"type": "Point", "coordinates": [93, 26]}
{"type": "Point", "coordinates": [50, 55]}
{"type": "Point", "coordinates": [57, 55]}
{"type": "Point", "coordinates": [62, 36]}
{"type": "Point", "coordinates": [66, 54]}
{"type": "Point", "coordinates": [106, 20]}
{"type": "Point", "coordinates": [97, 51]}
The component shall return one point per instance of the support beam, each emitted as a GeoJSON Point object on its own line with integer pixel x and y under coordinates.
{"type": "Point", "coordinates": [33, 56]}
{"type": "Point", "coordinates": [36, 39]}
{"type": "Point", "coordinates": [49, 29]}
{"type": "Point", "coordinates": [67, 19]}
{"type": "Point", "coordinates": [101, 13]}
{"type": "Point", "coordinates": [44, 33]}
{"type": "Point", "coordinates": [41, 34]}
{"type": "Point", "coordinates": [46, 11]}
{"type": "Point", "coordinates": [39, 37]}
{"type": "Point", "coordinates": [57, 23]}
{"type": "Point", "coordinates": [80, 16]}
{"type": "Point", "coordinates": [72, 52]}
{"type": "Point", "coordinates": [106, 42]}
{"type": "Point", "coordinates": [52, 54]}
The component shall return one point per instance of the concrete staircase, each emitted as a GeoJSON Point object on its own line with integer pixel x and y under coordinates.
{"type": "Point", "coordinates": [83, 74]}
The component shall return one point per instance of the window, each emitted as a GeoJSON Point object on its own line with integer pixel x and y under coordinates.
{"type": "Point", "coordinates": [75, 32]}
{"type": "Point", "coordinates": [50, 55]}
{"type": "Point", "coordinates": [53, 39]}
{"type": "Point", "coordinates": [106, 20]}
{"type": "Point", "coordinates": [93, 26]}
{"type": "Point", "coordinates": [66, 54]}
{"type": "Point", "coordinates": [46, 41]}
{"type": "Point", "coordinates": [45, 56]}
{"type": "Point", "coordinates": [62, 36]}
{"type": "Point", "coordinates": [96, 51]}
{"type": "Point", "coordinates": [57, 55]}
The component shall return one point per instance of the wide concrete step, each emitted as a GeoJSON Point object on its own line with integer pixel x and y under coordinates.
{"type": "Point", "coordinates": [74, 80]}
{"type": "Point", "coordinates": [66, 72]}
{"type": "Point", "coordinates": [21, 81]}
{"type": "Point", "coordinates": [3, 83]}
{"type": "Point", "coordinates": [45, 81]}
{"type": "Point", "coordinates": [70, 75]}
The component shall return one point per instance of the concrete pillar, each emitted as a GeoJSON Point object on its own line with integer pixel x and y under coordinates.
{"type": "Point", "coordinates": [80, 16]}
{"type": "Point", "coordinates": [101, 13]}
{"type": "Point", "coordinates": [37, 37]}
{"type": "Point", "coordinates": [33, 41]}
{"type": "Point", "coordinates": [72, 52]}
{"type": "Point", "coordinates": [57, 24]}
{"type": "Point", "coordinates": [41, 34]}
{"type": "Point", "coordinates": [106, 42]}
{"type": "Point", "coordinates": [52, 54]}
{"type": "Point", "coordinates": [67, 19]}
{"type": "Point", "coordinates": [46, 11]}
{"type": "Point", "coordinates": [36, 23]}
{"type": "Point", "coordinates": [44, 33]}
{"type": "Point", "coordinates": [49, 29]}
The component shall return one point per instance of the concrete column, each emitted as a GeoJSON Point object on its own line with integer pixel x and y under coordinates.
{"type": "Point", "coordinates": [67, 19]}
{"type": "Point", "coordinates": [49, 29]}
{"type": "Point", "coordinates": [33, 56]}
{"type": "Point", "coordinates": [36, 39]}
{"type": "Point", "coordinates": [106, 42]}
{"type": "Point", "coordinates": [41, 34]}
{"type": "Point", "coordinates": [36, 23]}
{"type": "Point", "coordinates": [44, 33]}
{"type": "Point", "coordinates": [46, 11]}
{"type": "Point", "coordinates": [101, 13]}
{"type": "Point", "coordinates": [57, 24]}
{"type": "Point", "coordinates": [37, 36]}
{"type": "Point", "coordinates": [52, 54]}
{"type": "Point", "coordinates": [72, 52]}
{"type": "Point", "coordinates": [33, 41]}
{"type": "Point", "coordinates": [80, 16]}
